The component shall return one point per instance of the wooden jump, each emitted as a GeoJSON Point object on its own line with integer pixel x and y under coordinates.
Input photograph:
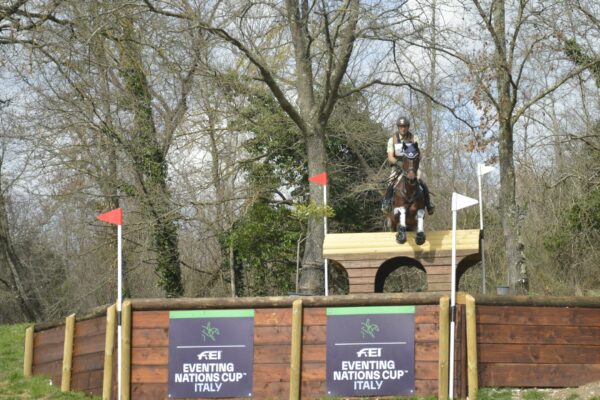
{"type": "Point", "coordinates": [369, 258]}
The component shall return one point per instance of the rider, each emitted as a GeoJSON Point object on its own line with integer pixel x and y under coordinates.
{"type": "Point", "coordinates": [394, 153]}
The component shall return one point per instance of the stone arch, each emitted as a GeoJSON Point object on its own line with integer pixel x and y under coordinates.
{"type": "Point", "coordinates": [391, 265]}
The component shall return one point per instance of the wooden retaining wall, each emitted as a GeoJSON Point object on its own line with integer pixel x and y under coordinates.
{"type": "Point", "coordinates": [272, 345]}
{"type": "Point", "coordinates": [538, 342]}
{"type": "Point", "coordinates": [149, 323]}
{"type": "Point", "coordinates": [520, 342]}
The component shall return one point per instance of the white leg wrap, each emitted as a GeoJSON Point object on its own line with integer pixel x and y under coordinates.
{"type": "Point", "coordinates": [420, 220]}
{"type": "Point", "coordinates": [402, 212]}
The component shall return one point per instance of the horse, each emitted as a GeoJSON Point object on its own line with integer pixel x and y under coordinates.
{"type": "Point", "coordinates": [408, 211]}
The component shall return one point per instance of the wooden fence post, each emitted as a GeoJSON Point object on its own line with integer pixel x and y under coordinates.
{"type": "Point", "coordinates": [296, 356]}
{"type": "Point", "coordinates": [28, 355]}
{"type": "Point", "coordinates": [472, 347]}
{"type": "Point", "coordinates": [126, 350]}
{"type": "Point", "coordinates": [109, 345]}
{"type": "Point", "coordinates": [444, 346]}
{"type": "Point", "coordinates": [65, 382]}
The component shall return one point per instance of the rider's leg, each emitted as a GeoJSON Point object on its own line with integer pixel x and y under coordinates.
{"type": "Point", "coordinates": [386, 205]}
{"type": "Point", "coordinates": [427, 198]}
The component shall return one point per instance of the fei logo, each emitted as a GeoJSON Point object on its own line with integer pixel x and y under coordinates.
{"type": "Point", "coordinates": [369, 352]}
{"type": "Point", "coordinates": [210, 332]}
{"type": "Point", "coordinates": [210, 355]}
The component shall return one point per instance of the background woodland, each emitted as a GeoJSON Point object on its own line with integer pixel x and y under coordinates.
{"type": "Point", "coordinates": [204, 119]}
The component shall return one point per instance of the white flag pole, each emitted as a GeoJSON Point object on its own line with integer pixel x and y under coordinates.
{"type": "Point", "coordinates": [119, 303]}
{"type": "Point", "coordinates": [482, 169]}
{"type": "Point", "coordinates": [325, 234]}
{"type": "Point", "coordinates": [483, 277]}
{"type": "Point", "coordinates": [458, 202]}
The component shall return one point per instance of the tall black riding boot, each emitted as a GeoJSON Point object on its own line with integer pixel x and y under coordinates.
{"type": "Point", "coordinates": [430, 207]}
{"type": "Point", "coordinates": [386, 205]}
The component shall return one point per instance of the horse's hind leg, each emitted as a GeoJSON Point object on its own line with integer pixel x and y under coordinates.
{"type": "Point", "coordinates": [420, 237]}
{"type": "Point", "coordinates": [401, 231]}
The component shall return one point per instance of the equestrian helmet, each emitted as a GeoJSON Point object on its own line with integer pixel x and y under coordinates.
{"type": "Point", "coordinates": [403, 121]}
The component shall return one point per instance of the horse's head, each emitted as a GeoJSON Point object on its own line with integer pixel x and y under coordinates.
{"type": "Point", "coordinates": [410, 161]}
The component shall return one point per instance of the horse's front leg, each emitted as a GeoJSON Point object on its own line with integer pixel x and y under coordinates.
{"type": "Point", "coordinates": [401, 231]}
{"type": "Point", "coordinates": [420, 237]}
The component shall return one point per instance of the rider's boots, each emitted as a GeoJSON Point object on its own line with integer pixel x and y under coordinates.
{"type": "Point", "coordinates": [386, 205]}
{"type": "Point", "coordinates": [427, 199]}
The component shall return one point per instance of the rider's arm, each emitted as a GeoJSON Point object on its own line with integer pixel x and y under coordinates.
{"type": "Point", "coordinates": [390, 152]}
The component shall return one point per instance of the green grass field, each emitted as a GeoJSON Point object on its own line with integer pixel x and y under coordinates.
{"type": "Point", "coordinates": [12, 383]}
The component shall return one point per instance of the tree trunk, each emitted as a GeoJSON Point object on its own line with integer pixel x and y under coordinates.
{"type": "Point", "coordinates": [515, 261]}
{"type": "Point", "coordinates": [20, 280]}
{"type": "Point", "coordinates": [311, 274]}
{"type": "Point", "coordinates": [150, 165]}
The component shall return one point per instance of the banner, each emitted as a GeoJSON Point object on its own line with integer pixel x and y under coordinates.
{"type": "Point", "coordinates": [211, 353]}
{"type": "Point", "coordinates": [371, 351]}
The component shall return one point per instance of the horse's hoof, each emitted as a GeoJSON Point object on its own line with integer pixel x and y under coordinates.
{"type": "Point", "coordinates": [401, 235]}
{"type": "Point", "coordinates": [420, 238]}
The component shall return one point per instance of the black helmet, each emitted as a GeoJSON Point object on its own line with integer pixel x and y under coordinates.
{"type": "Point", "coordinates": [403, 121]}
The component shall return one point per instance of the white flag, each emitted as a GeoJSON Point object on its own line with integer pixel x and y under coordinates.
{"type": "Point", "coordinates": [483, 169]}
{"type": "Point", "coordinates": [459, 202]}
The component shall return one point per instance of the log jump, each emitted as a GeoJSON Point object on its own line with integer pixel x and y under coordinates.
{"type": "Point", "coordinates": [369, 258]}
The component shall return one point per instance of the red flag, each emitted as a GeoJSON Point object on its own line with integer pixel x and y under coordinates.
{"type": "Point", "coordinates": [320, 179]}
{"type": "Point", "coordinates": [114, 217]}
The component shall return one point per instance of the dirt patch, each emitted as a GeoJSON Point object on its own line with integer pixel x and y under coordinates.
{"type": "Point", "coordinates": [586, 392]}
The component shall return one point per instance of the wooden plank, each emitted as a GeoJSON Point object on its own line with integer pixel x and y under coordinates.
{"type": "Point", "coordinates": [52, 369]}
{"type": "Point", "coordinates": [364, 280]}
{"type": "Point", "coordinates": [427, 314]}
{"type": "Point", "coordinates": [446, 279]}
{"type": "Point", "coordinates": [50, 336]}
{"type": "Point", "coordinates": [150, 319]}
{"type": "Point", "coordinates": [87, 382]}
{"type": "Point", "coordinates": [88, 344]}
{"type": "Point", "coordinates": [316, 334]}
{"type": "Point", "coordinates": [88, 362]}
{"type": "Point", "coordinates": [90, 327]}
{"type": "Point", "coordinates": [426, 351]}
{"type": "Point", "coordinates": [274, 372]}
{"type": "Point", "coordinates": [438, 286]}
{"type": "Point", "coordinates": [47, 353]}
{"type": "Point", "coordinates": [272, 335]}
{"type": "Point", "coordinates": [284, 301]}
{"type": "Point", "coordinates": [150, 356]}
{"type": "Point", "coordinates": [149, 374]}
{"type": "Point", "coordinates": [149, 390]}
{"type": "Point", "coordinates": [539, 354]}
{"type": "Point", "coordinates": [538, 315]}
{"type": "Point", "coordinates": [150, 338]}
{"type": "Point", "coordinates": [281, 353]}
{"type": "Point", "coordinates": [363, 288]}
{"type": "Point", "coordinates": [537, 375]}
{"type": "Point", "coordinates": [534, 334]}
{"type": "Point", "coordinates": [426, 333]}
{"type": "Point", "coordinates": [438, 270]}
{"type": "Point", "coordinates": [426, 370]}
{"type": "Point", "coordinates": [273, 316]}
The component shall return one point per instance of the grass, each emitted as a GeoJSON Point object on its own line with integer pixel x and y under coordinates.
{"type": "Point", "coordinates": [12, 383]}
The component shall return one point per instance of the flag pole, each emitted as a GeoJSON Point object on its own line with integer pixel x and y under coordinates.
{"type": "Point", "coordinates": [325, 234]}
{"type": "Point", "coordinates": [452, 301]}
{"type": "Point", "coordinates": [119, 305]}
{"type": "Point", "coordinates": [116, 217]}
{"type": "Point", "coordinates": [482, 169]}
{"type": "Point", "coordinates": [458, 202]}
{"type": "Point", "coordinates": [481, 247]}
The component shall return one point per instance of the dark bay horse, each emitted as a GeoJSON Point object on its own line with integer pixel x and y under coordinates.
{"type": "Point", "coordinates": [408, 211]}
